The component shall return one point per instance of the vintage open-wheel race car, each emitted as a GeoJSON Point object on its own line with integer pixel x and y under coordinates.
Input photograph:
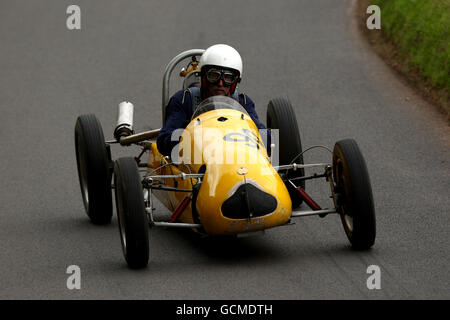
{"type": "Point", "coordinates": [221, 179]}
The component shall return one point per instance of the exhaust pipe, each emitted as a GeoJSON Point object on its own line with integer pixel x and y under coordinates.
{"type": "Point", "coordinates": [124, 125]}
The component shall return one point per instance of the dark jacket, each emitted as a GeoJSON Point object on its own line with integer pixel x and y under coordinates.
{"type": "Point", "coordinates": [178, 115]}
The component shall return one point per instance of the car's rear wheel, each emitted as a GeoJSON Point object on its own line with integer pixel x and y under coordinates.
{"type": "Point", "coordinates": [132, 218]}
{"type": "Point", "coordinates": [94, 168]}
{"type": "Point", "coordinates": [281, 116]}
{"type": "Point", "coordinates": [354, 194]}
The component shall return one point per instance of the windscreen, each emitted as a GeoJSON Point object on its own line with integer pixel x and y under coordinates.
{"type": "Point", "coordinates": [218, 102]}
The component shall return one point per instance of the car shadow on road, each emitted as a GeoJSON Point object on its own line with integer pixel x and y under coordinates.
{"type": "Point", "coordinates": [169, 247]}
{"type": "Point", "coordinates": [229, 249]}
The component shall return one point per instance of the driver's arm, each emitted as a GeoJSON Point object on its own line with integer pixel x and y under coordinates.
{"type": "Point", "coordinates": [176, 118]}
{"type": "Point", "coordinates": [249, 106]}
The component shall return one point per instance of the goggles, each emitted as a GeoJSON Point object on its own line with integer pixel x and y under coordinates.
{"type": "Point", "coordinates": [215, 75]}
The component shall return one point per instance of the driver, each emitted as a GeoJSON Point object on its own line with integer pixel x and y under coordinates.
{"type": "Point", "coordinates": [221, 70]}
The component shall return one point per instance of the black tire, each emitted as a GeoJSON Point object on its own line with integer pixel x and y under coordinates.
{"type": "Point", "coordinates": [94, 168]}
{"type": "Point", "coordinates": [354, 194]}
{"type": "Point", "coordinates": [281, 116]}
{"type": "Point", "coordinates": [132, 218]}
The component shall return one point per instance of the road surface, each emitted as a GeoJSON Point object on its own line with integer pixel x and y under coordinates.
{"type": "Point", "coordinates": [309, 51]}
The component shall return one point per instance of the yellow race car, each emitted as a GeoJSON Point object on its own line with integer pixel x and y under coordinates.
{"type": "Point", "coordinates": [221, 178]}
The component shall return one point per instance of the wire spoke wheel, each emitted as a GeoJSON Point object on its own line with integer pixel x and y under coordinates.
{"type": "Point", "coordinates": [131, 214]}
{"type": "Point", "coordinates": [354, 194]}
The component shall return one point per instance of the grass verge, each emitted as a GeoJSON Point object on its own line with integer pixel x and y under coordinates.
{"type": "Point", "coordinates": [415, 40]}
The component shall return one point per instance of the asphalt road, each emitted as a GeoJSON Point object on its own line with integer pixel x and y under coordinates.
{"type": "Point", "coordinates": [306, 50]}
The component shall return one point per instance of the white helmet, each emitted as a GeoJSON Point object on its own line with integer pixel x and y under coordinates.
{"type": "Point", "coordinates": [221, 55]}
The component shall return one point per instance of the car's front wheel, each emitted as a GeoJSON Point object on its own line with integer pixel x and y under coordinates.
{"type": "Point", "coordinates": [354, 194]}
{"type": "Point", "coordinates": [132, 218]}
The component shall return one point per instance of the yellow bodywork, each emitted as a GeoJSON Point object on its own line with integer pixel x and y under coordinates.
{"type": "Point", "coordinates": [228, 143]}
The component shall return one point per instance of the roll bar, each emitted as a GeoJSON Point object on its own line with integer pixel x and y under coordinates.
{"type": "Point", "coordinates": [168, 73]}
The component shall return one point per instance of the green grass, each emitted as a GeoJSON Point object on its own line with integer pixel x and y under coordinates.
{"type": "Point", "coordinates": [420, 30]}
